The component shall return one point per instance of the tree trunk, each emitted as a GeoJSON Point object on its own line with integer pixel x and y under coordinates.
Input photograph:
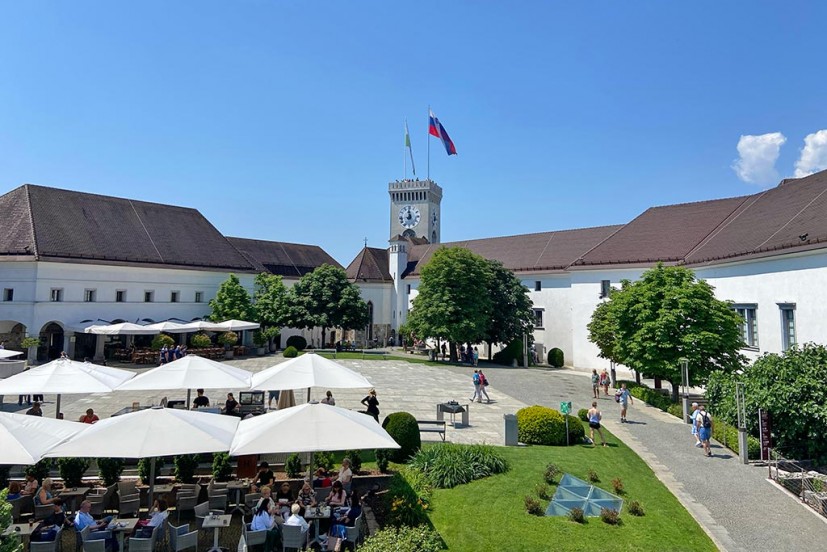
{"type": "Point", "coordinates": [675, 389]}
{"type": "Point", "coordinates": [489, 350]}
{"type": "Point", "coordinates": [453, 348]}
{"type": "Point", "coordinates": [637, 376]}
{"type": "Point", "coordinates": [658, 383]}
{"type": "Point", "coordinates": [323, 336]}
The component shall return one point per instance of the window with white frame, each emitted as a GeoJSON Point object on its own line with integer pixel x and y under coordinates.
{"type": "Point", "coordinates": [749, 324]}
{"type": "Point", "coordinates": [89, 295]}
{"type": "Point", "coordinates": [538, 319]}
{"type": "Point", "coordinates": [199, 296]}
{"type": "Point", "coordinates": [120, 296]}
{"type": "Point", "coordinates": [8, 294]}
{"type": "Point", "coordinates": [788, 337]}
{"type": "Point", "coordinates": [174, 296]}
{"type": "Point", "coordinates": [149, 296]}
{"type": "Point", "coordinates": [56, 295]}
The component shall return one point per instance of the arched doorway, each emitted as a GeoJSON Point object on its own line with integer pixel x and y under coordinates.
{"type": "Point", "coordinates": [51, 342]}
{"type": "Point", "coordinates": [11, 334]}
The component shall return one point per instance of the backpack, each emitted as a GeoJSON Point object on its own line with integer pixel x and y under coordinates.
{"type": "Point", "coordinates": [706, 423]}
{"type": "Point", "coordinates": [476, 379]}
{"type": "Point", "coordinates": [618, 393]}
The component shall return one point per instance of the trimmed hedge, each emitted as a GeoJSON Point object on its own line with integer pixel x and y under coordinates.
{"type": "Point", "coordinates": [200, 341]}
{"type": "Point", "coordinates": [539, 425]}
{"type": "Point", "coordinates": [556, 358]}
{"type": "Point", "coordinates": [403, 428]}
{"type": "Point", "coordinates": [727, 435]}
{"type": "Point", "coordinates": [297, 341]}
{"type": "Point", "coordinates": [290, 352]}
{"type": "Point", "coordinates": [513, 351]}
{"type": "Point", "coordinates": [583, 414]}
{"type": "Point", "coordinates": [649, 395]}
{"type": "Point", "coordinates": [421, 539]}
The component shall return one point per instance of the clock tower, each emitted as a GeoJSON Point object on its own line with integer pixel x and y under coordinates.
{"type": "Point", "coordinates": [415, 209]}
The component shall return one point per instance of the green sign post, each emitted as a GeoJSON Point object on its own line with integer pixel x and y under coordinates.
{"type": "Point", "coordinates": [565, 408]}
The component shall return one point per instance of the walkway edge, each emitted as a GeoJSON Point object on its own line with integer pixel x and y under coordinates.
{"type": "Point", "coordinates": [717, 533]}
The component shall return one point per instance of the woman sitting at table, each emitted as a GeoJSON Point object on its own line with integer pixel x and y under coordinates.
{"type": "Point", "coordinates": [158, 514]}
{"type": "Point", "coordinates": [337, 496]}
{"type": "Point", "coordinates": [14, 491]}
{"type": "Point", "coordinates": [266, 494]}
{"type": "Point", "coordinates": [284, 497]}
{"type": "Point", "coordinates": [44, 493]}
{"type": "Point", "coordinates": [348, 519]}
{"type": "Point", "coordinates": [263, 521]}
{"type": "Point", "coordinates": [298, 521]}
{"type": "Point", "coordinates": [307, 497]}
{"type": "Point", "coordinates": [30, 487]}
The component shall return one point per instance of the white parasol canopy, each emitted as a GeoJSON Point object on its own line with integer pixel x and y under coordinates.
{"type": "Point", "coordinates": [123, 328]}
{"type": "Point", "coordinates": [149, 434]}
{"type": "Point", "coordinates": [26, 438]}
{"type": "Point", "coordinates": [6, 353]}
{"type": "Point", "coordinates": [310, 427]}
{"type": "Point", "coordinates": [308, 370]}
{"type": "Point", "coordinates": [200, 325]}
{"type": "Point", "coordinates": [64, 376]}
{"type": "Point", "coordinates": [237, 325]}
{"type": "Point", "coordinates": [168, 327]}
{"type": "Point", "coordinates": [190, 372]}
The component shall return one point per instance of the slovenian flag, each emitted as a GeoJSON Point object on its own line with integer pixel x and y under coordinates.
{"type": "Point", "coordinates": [435, 128]}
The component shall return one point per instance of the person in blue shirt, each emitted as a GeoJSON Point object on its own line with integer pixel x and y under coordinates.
{"type": "Point", "coordinates": [84, 519]}
{"type": "Point", "coordinates": [264, 521]}
{"type": "Point", "coordinates": [624, 397]}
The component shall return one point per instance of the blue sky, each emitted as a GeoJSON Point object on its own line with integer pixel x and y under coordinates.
{"type": "Point", "coordinates": [283, 120]}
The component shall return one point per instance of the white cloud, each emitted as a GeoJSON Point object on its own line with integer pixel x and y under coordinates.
{"type": "Point", "coordinates": [758, 155]}
{"type": "Point", "coordinates": [813, 154]}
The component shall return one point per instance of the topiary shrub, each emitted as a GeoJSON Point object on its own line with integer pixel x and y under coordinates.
{"type": "Point", "coordinates": [533, 506]}
{"type": "Point", "coordinates": [403, 428]}
{"type": "Point", "coordinates": [382, 459]}
{"type": "Point", "coordinates": [162, 340]}
{"type": "Point", "coordinates": [39, 470]}
{"type": "Point", "coordinates": [577, 433]}
{"type": "Point", "coordinates": [420, 539]}
{"type": "Point", "coordinates": [293, 466]}
{"type": "Point", "coordinates": [539, 425]}
{"type": "Point", "coordinates": [290, 352]}
{"type": "Point", "coordinates": [72, 470]}
{"type": "Point", "coordinates": [355, 458]}
{"type": "Point", "coordinates": [200, 341]}
{"type": "Point", "coordinates": [228, 339]}
{"type": "Point", "coordinates": [323, 460]}
{"type": "Point", "coordinates": [297, 341]}
{"type": "Point", "coordinates": [513, 351]}
{"type": "Point", "coordinates": [583, 414]}
{"type": "Point", "coordinates": [555, 358]}
{"type": "Point", "coordinates": [145, 466]}
{"type": "Point", "coordinates": [222, 470]}
{"type": "Point", "coordinates": [110, 470]}
{"type": "Point", "coordinates": [185, 466]}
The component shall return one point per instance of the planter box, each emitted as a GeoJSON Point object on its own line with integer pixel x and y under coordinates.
{"type": "Point", "coordinates": [228, 355]}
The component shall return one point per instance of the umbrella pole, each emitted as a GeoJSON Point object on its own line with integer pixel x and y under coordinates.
{"type": "Point", "coordinates": [57, 407]}
{"type": "Point", "coordinates": [151, 484]}
{"type": "Point", "coordinates": [308, 394]}
{"type": "Point", "coordinates": [310, 469]}
{"type": "Point", "coordinates": [189, 394]}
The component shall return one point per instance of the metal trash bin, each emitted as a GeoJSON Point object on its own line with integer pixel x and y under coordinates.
{"type": "Point", "coordinates": [510, 429]}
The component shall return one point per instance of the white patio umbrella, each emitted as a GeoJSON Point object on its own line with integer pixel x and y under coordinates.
{"type": "Point", "coordinates": [237, 325]}
{"type": "Point", "coordinates": [123, 328]}
{"type": "Point", "coordinates": [168, 327]}
{"type": "Point", "coordinates": [151, 433]}
{"type": "Point", "coordinates": [308, 370]}
{"type": "Point", "coordinates": [310, 427]}
{"type": "Point", "coordinates": [26, 438]}
{"type": "Point", "coordinates": [201, 325]}
{"type": "Point", "coordinates": [190, 372]}
{"type": "Point", "coordinates": [6, 353]}
{"type": "Point", "coordinates": [65, 377]}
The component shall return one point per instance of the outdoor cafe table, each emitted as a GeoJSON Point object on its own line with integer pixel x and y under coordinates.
{"type": "Point", "coordinates": [239, 486]}
{"type": "Point", "coordinates": [70, 496]}
{"type": "Point", "coordinates": [120, 527]}
{"type": "Point", "coordinates": [216, 521]}
{"type": "Point", "coordinates": [314, 514]}
{"type": "Point", "coordinates": [159, 490]}
{"type": "Point", "coordinates": [22, 529]}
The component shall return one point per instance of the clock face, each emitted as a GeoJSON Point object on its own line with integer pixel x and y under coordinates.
{"type": "Point", "coordinates": [409, 216]}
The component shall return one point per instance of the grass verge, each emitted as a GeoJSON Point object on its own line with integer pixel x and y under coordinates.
{"type": "Point", "coordinates": [489, 514]}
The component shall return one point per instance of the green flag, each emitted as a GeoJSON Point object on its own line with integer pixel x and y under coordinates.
{"type": "Point", "coordinates": [408, 145]}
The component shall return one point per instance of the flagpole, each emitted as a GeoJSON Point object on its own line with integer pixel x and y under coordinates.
{"type": "Point", "coordinates": [404, 153]}
{"type": "Point", "coordinates": [428, 138]}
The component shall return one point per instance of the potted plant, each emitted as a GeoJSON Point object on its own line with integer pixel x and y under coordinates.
{"type": "Point", "coordinates": [200, 341]}
{"type": "Point", "coordinates": [228, 339]}
{"type": "Point", "coordinates": [31, 343]}
{"type": "Point", "coordinates": [260, 340]}
{"type": "Point", "coordinates": [271, 334]}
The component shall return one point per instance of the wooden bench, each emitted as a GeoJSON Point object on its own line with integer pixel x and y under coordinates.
{"type": "Point", "coordinates": [432, 426]}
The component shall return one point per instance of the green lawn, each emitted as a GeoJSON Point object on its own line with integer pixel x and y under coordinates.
{"type": "Point", "coordinates": [489, 514]}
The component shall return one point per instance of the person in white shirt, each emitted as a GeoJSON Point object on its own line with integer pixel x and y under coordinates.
{"type": "Point", "coordinates": [328, 399]}
{"type": "Point", "coordinates": [693, 418]}
{"type": "Point", "coordinates": [345, 475]}
{"type": "Point", "coordinates": [158, 515]}
{"type": "Point", "coordinates": [263, 520]}
{"type": "Point", "coordinates": [296, 520]}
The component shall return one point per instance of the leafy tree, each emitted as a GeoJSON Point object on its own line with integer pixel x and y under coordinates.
{"type": "Point", "coordinates": [8, 543]}
{"type": "Point", "coordinates": [325, 299]}
{"type": "Point", "coordinates": [454, 302]}
{"type": "Point", "coordinates": [270, 301]}
{"type": "Point", "coordinates": [789, 386]}
{"type": "Point", "coordinates": [664, 316]}
{"type": "Point", "coordinates": [512, 314]}
{"type": "Point", "coordinates": [232, 302]}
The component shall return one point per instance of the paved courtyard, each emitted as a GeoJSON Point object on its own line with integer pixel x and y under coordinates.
{"type": "Point", "coordinates": [737, 506]}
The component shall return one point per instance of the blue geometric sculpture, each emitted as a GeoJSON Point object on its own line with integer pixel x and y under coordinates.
{"type": "Point", "coordinates": [576, 493]}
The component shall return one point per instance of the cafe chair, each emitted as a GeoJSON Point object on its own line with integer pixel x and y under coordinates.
{"type": "Point", "coordinates": [181, 538]}
{"type": "Point", "coordinates": [354, 534]}
{"type": "Point", "coordinates": [253, 538]}
{"type": "Point", "coordinates": [94, 541]}
{"type": "Point", "coordinates": [101, 500]}
{"type": "Point", "coordinates": [184, 503]}
{"type": "Point", "coordinates": [127, 487]}
{"type": "Point", "coordinates": [47, 546]}
{"type": "Point", "coordinates": [201, 512]}
{"type": "Point", "coordinates": [292, 537]}
{"type": "Point", "coordinates": [251, 499]}
{"type": "Point", "coordinates": [129, 505]}
{"type": "Point", "coordinates": [16, 508]}
{"type": "Point", "coordinates": [42, 511]}
{"type": "Point", "coordinates": [321, 493]}
{"type": "Point", "coordinates": [140, 544]}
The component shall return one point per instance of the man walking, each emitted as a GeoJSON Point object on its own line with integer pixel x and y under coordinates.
{"type": "Point", "coordinates": [704, 422]}
{"type": "Point", "coordinates": [595, 384]}
{"type": "Point", "coordinates": [624, 397]}
{"type": "Point", "coordinates": [477, 395]}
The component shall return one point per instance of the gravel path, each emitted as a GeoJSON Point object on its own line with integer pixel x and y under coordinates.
{"type": "Point", "coordinates": [735, 503]}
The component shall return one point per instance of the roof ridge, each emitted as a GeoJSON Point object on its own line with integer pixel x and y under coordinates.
{"type": "Point", "coordinates": [545, 248]}
{"type": "Point", "coordinates": [146, 230]}
{"type": "Point", "coordinates": [601, 242]}
{"type": "Point", "coordinates": [271, 241]}
{"type": "Point", "coordinates": [525, 235]}
{"type": "Point", "coordinates": [31, 220]}
{"type": "Point", "coordinates": [373, 252]}
{"type": "Point", "coordinates": [701, 201]}
{"type": "Point", "coordinates": [78, 192]}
